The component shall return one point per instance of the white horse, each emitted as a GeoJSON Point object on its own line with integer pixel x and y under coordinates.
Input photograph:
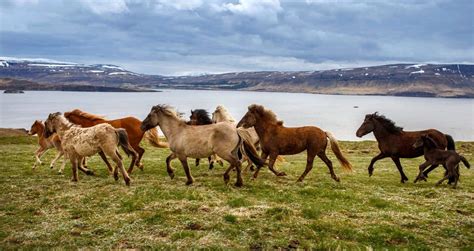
{"type": "Point", "coordinates": [223, 139]}
{"type": "Point", "coordinates": [78, 143]}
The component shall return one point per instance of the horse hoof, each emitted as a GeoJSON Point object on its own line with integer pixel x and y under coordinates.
{"type": "Point", "coordinates": [226, 178]}
{"type": "Point", "coordinates": [51, 167]}
{"type": "Point", "coordinates": [116, 177]}
{"type": "Point", "coordinates": [127, 182]}
{"type": "Point", "coordinates": [89, 172]}
{"type": "Point", "coordinates": [239, 184]}
{"type": "Point", "coordinates": [281, 174]}
{"type": "Point", "coordinates": [171, 174]}
{"type": "Point", "coordinates": [336, 179]}
{"type": "Point", "coordinates": [211, 166]}
{"type": "Point", "coordinates": [74, 180]}
{"type": "Point", "coordinates": [189, 182]}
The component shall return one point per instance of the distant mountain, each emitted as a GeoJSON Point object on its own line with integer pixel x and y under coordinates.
{"type": "Point", "coordinates": [430, 80]}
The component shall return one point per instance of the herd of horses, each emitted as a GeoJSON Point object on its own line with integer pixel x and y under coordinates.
{"type": "Point", "coordinates": [78, 135]}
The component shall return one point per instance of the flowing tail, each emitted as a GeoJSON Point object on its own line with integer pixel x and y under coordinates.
{"type": "Point", "coordinates": [451, 145]}
{"type": "Point", "coordinates": [248, 148]}
{"type": "Point", "coordinates": [122, 137]}
{"type": "Point", "coordinates": [153, 138]}
{"type": "Point", "coordinates": [337, 151]}
{"type": "Point", "coordinates": [464, 160]}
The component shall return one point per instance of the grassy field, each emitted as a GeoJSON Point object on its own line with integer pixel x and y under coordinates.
{"type": "Point", "coordinates": [41, 209]}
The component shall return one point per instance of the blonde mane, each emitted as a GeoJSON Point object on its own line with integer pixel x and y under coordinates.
{"type": "Point", "coordinates": [224, 113]}
{"type": "Point", "coordinates": [169, 111]}
{"type": "Point", "coordinates": [267, 114]}
{"type": "Point", "coordinates": [84, 115]}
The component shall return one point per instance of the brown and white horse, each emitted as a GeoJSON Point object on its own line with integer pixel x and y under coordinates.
{"type": "Point", "coordinates": [78, 143]}
{"type": "Point", "coordinates": [276, 139]}
{"type": "Point", "coordinates": [46, 143]}
{"type": "Point", "coordinates": [222, 139]}
{"type": "Point", "coordinates": [130, 124]}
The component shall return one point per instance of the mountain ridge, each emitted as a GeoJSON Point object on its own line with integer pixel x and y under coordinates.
{"type": "Point", "coordinates": [428, 80]}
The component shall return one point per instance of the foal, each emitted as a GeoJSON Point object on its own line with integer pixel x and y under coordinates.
{"type": "Point", "coordinates": [435, 156]}
{"type": "Point", "coordinates": [45, 144]}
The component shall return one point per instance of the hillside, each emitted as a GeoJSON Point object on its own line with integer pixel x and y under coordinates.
{"type": "Point", "coordinates": [429, 80]}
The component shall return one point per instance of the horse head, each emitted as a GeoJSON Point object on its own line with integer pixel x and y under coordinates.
{"type": "Point", "coordinates": [36, 127]}
{"type": "Point", "coordinates": [250, 118]}
{"type": "Point", "coordinates": [50, 124]}
{"type": "Point", "coordinates": [367, 126]}
{"type": "Point", "coordinates": [425, 141]}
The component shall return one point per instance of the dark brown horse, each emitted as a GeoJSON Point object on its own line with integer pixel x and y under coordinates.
{"type": "Point", "coordinates": [275, 139]}
{"type": "Point", "coordinates": [435, 156]}
{"type": "Point", "coordinates": [396, 143]}
{"type": "Point", "coordinates": [130, 124]}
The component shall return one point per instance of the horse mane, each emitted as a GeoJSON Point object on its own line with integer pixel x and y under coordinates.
{"type": "Point", "coordinates": [387, 123]}
{"type": "Point", "coordinates": [85, 115]}
{"type": "Point", "coordinates": [267, 114]}
{"type": "Point", "coordinates": [169, 111]}
{"type": "Point", "coordinates": [203, 116]}
{"type": "Point", "coordinates": [225, 113]}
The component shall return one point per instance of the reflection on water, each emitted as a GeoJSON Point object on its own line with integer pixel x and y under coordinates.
{"type": "Point", "coordinates": [329, 112]}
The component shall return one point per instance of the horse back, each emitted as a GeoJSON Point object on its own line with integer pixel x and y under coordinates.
{"type": "Point", "coordinates": [293, 140]}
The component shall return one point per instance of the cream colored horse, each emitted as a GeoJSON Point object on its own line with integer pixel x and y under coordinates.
{"type": "Point", "coordinates": [78, 142]}
{"type": "Point", "coordinates": [221, 114]}
{"type": "Point", "coordinates": [223, 139]}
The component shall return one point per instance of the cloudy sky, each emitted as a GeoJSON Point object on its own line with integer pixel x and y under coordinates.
{"type": "Point", "coordinates": [176, 37]}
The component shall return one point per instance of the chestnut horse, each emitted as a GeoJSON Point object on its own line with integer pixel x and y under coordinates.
{"type": "Point", "coordinates": [275, 139]}
{"type": "Point", "coordinates": [396, 143]}
{"type": "Point", "coordinates": [46, 143]}
{"type": "Point", "coordinates": [130, 124]}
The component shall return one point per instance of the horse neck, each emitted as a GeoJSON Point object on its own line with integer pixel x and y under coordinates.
{"type": "Point", "coordinates": [169, 125]}
{"type": "Point", "coordinates": [63, 127]}
{"type": "Point", "coordinates": [85, 122]}
{"type": "Point", "coordinates": [263, 128]}
{"type": "Point", "coordinates": [40, 132]}
{"type": "Point", "coordinates": [380, 132]}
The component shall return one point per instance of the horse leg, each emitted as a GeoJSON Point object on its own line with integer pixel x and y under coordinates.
{"type": "Point", "coordinates": [211, 162]}
{"type": "Point", "coordinates": [58, 155]}
{"type": "Point", "coordinates": [83, 169]}
{"type": "Point", "coordinates": [140, 152]}
{"type": "Point", "coordinates": [273, 158]}
{"type": "Point", "coordinates": [197, 162]}
{"type": "Point", "coordinates": [118, 162]}
{"type": "Point", "coordinates": [74, 162]}
{"type": "Point", "coordinates": [168, 165]}
{"type": "Point", "coordinates": [106, 161]}
{"type": "Point", "coordinates": [184, 163]}
{"type": "Point", "coordinates": [328, 162]}
{"type": "Point", "coordinates": [38, 154]}
{"type": "Point", "coordinates": [132, 163]}
{"type": "Point", "coordinates": [372, 162]}
{"type": "Point", "coordinates": [400, 169]}
{"type": "Point", "coordinates": [309, 166]}
{"type": "Point", "coordinates": [234, 161]}
{"type": "Point", "coordinates": [421, 174]}
{"type": "Point", "coordinates": [427, 171]}
{"type": "Point", "coordinates": [263, 156]}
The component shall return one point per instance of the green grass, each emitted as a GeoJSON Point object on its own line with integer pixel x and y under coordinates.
{"type": "Point", "coordinates": [41, 209]}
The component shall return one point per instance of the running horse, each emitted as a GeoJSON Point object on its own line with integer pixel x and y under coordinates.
{"type": "Point", "coordinates": [396, 143]}
{"type": "Point", "coordinates": [130, 124]}
{"type": "Point", "coordinates": [276, 139]}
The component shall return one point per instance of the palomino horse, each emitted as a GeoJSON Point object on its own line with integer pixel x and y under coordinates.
{"type": "Point", "coordinates": [396, 143]}
{"type": "Point", "coordinates": [45, 144]}
{"type": "Point", "coordinates": [186, 141]}
{"type": "Point", "coordinates": [130, 124]}
{"type": "Point", "coordinates": [79, 143]}
{"type": "Point", "coordinates": [221, 114]}
{"type": "Point", "coordinates": [201, 117]}
{"type": "Point", "coordinates": [275, 139]}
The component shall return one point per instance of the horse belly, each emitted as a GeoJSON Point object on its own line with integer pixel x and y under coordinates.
{"type": "Point", "coordinates": [86, 148]}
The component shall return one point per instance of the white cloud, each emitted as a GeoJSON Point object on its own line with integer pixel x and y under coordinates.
{"type": "Point", "coordinates": [106, 6]}
{"type": "Point", "coordinates": [259, 9]}
{"type": "Point", "coordinates": [179, 4]}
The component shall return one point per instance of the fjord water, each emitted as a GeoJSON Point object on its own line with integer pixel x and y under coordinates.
{"type": "Point", "coordinates": [335, 113]}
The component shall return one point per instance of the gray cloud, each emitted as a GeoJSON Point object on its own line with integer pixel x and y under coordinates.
{"type": "Point", "coordinates": [174, 37]}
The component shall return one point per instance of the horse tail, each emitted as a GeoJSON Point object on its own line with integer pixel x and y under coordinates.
{"type": "Point", "coordinates": [451, 145]}
{"type": "Point", "coordinates": [247, 148]}
{"type": "Point", "coordinates": [464, 160]}
{"type": "Point", "coordinates": [122, 137]}
{"type": "Point", "coordinates": [337, 151]}
{"type": "Point", "coordinates": [153, 138]}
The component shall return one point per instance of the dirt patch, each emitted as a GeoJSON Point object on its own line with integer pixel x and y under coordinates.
{"type": "Point", "coordinates": [5, 132]}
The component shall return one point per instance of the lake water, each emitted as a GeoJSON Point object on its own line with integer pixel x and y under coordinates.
{"type": "Point", "coordinates": [330, 112]}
